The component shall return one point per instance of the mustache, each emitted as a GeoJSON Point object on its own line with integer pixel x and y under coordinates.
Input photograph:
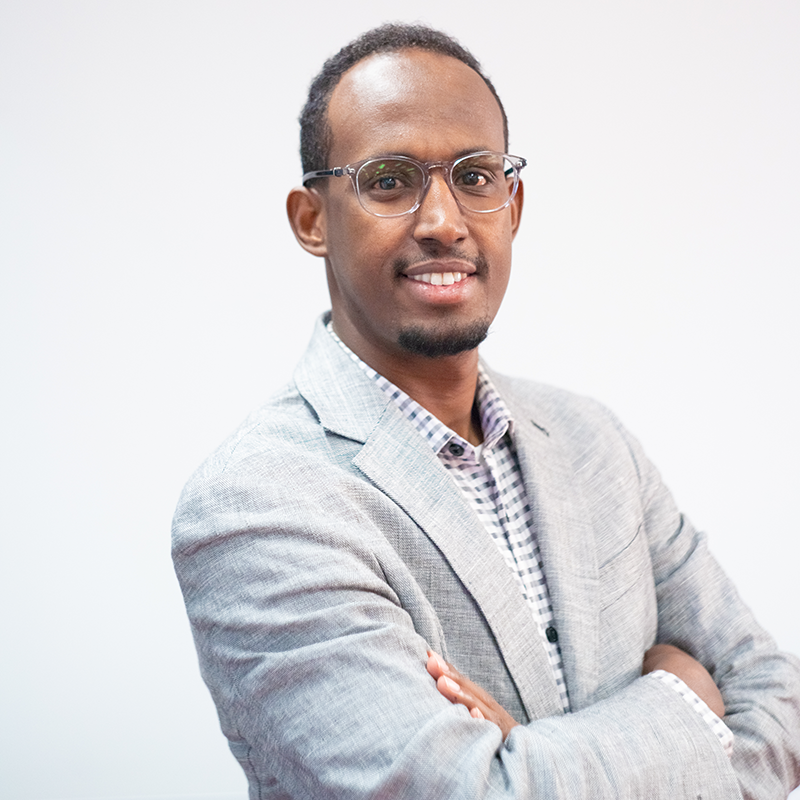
{"type": "Point", "coordinates": [400, 265]}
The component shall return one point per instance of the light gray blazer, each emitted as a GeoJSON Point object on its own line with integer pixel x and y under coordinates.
{"type": "Point", "coordinates": [323, 548]}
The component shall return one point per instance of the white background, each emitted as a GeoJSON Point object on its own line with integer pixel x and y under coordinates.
{"type": "Point", "coordinates": [152, 294]}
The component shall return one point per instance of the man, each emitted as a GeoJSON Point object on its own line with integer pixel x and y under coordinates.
{"type": "Point", "coordinates": [410, 577]}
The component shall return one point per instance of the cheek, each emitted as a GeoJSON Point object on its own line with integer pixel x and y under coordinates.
{"type": "Point", "coordinates": [360, 252]}
{"type": "Point", "coordinates": [496, 250]}
{"type": "Point", "coordinates": [359, 242]}
{"type": "Point", "coordinates": [499, 286]}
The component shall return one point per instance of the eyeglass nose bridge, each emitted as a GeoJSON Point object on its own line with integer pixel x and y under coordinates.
{"type": "Point", "coordinates": [447, 170]}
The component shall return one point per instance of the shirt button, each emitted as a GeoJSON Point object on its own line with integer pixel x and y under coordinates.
{"type": "Point", "coordinates": [552, 634]}
{"type": "Point", "coordinates": [455, 449]}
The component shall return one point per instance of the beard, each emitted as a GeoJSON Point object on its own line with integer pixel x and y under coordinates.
{"type": "Point", "coordinates": [443, 342]}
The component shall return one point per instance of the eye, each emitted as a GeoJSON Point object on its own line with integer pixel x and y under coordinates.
{"type": "Point", "coordinates": [472, 178]}
{"type": "Point", "coordinates": [387, 182]}
{"type": "Point", "coordinates": [385, 178]}
{"type": "Point", "coordinates": [478, 173]}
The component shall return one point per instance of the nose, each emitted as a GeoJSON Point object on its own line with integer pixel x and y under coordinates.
{"type": "Point", "coordinates": [439, 218]}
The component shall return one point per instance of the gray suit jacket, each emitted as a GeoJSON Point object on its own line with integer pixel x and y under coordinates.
{"type": "Point", "coordinates": [323, 547]}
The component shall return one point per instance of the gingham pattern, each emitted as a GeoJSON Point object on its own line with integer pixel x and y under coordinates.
{"type": "Point", "coordinates": [722, 731]}
{"type": "Point", "coordinates": [490, 480]}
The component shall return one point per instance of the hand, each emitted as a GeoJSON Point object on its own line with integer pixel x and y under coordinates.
{"type": "Point", "coordinates": [462, 691]}
{"type": "Point", "coordinates": [689, 670]}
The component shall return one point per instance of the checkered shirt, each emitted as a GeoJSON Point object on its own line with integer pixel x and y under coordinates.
{"type": "Point", "coordinates": [490, 480]}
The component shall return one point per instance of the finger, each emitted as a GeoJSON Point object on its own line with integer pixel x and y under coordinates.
{"type": "Point", "coordinates": [457, 694]}
{"type": "Point", "coordinates": [478, 709]}
{"type": "Point", "coordinates": [436, 665]}
{"type": "Point", "coordinates": [468, 687]}
{"type": "Point", "coordinates": [459, 689]}
{"type": "Point", "coordinates": [451, 690]}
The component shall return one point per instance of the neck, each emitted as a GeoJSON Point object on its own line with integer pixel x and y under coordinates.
{"type": "Point", "coordinates": [444, 386]}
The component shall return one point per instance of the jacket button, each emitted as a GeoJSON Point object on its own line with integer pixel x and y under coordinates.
{"type": "Point", "coordinates": [552, 634]}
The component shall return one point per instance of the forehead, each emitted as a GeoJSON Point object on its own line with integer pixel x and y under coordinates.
{"type": "Point", "coordinates": [412, 102]}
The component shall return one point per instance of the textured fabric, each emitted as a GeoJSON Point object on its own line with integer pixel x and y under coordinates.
{"type": "Point", "coordinates": [721, 730]}
{"type": "Point", "coordinates": [321, 550]}
{"type": "Point", "coordinates": [490, 480]}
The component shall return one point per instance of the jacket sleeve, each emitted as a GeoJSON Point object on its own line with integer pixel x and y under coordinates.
{"type": "Point", "coordinates": [318, 672]}
{"type": "Point", "coordinates": [700, 611]}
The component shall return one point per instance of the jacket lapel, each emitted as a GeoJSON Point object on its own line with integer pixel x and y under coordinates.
{"type": "Point", "coordinates": [566, 540]}
{"type": "Point", "coordinates": [412, 477]}
{"type": "Point", "coordinates": [392, 458]}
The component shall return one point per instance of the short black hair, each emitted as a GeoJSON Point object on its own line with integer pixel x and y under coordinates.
{"type": "Point", "coordinates": [315, 133]}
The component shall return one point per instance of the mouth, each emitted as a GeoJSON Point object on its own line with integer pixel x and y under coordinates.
{"type": "Point", "coordinates": [439, 278]}
{"type": "Point", "coordinates": [439, 272]}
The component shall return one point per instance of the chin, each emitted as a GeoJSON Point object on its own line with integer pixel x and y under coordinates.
{"type": "Point", "coordinates": [435, 343]}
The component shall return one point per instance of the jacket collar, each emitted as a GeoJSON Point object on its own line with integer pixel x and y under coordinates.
{"type": "Point", "coordinates": [345, 399]}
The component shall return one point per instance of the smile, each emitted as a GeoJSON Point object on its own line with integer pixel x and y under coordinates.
{"type": "Point", "coordinates": [439, 278]}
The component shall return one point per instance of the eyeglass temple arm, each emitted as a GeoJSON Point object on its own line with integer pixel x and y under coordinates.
{"type": "Point", "coordinates": [336, 172]}
{"type": "Point", "coordinates": [521, 162]}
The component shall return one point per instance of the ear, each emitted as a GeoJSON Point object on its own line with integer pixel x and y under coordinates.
{"type": "Point", "coordinates": [306, 211]}
{"type": "Point", "coordinates": [516, 208]}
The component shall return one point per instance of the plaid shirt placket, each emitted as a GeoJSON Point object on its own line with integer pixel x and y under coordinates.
{"type": "Point", "coordinates": [490, 480]}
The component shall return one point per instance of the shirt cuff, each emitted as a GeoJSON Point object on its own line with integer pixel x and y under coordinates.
{"type": "Point", "coordinates": [720, 729]}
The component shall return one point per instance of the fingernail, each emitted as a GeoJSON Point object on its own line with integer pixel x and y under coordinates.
{"type": "Point", "coordinates": [452, 685]}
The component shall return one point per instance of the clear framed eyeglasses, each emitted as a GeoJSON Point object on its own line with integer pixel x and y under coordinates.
{"type": "Point", "coordinates": [395, 185]}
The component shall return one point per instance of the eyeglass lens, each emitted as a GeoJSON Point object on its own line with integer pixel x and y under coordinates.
{"type": "Point", "coordinates": [393, 186]}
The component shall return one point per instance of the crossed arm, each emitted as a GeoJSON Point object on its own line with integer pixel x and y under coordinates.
{"type": "Point", "coordinates": [460, 690]}
{"type": "Point", "coordinates": [311, 632]}
{"type": "Point", "coordinates": [317, 674]}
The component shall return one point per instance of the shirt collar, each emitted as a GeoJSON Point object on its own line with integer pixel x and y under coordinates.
{"type": "Point", "coordinates": [496, 419]}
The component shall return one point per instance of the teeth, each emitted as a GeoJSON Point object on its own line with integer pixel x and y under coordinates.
{"type": "Point", "coordinates": [440, 278]}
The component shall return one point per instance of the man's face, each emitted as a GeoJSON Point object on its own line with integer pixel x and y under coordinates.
{"type": "Point", "coordinates": [432, 108]}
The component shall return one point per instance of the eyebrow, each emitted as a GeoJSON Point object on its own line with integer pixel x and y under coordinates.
{"type": "Point", "coordinates": [405, 154]}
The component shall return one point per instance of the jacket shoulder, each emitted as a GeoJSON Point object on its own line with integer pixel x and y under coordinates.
{"type": "Point", "coordinates": [555, 410]}
{"type": "Point", "coordinates": [282, 423]}
{"type": "Point", "coordinates": [278, 443]}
